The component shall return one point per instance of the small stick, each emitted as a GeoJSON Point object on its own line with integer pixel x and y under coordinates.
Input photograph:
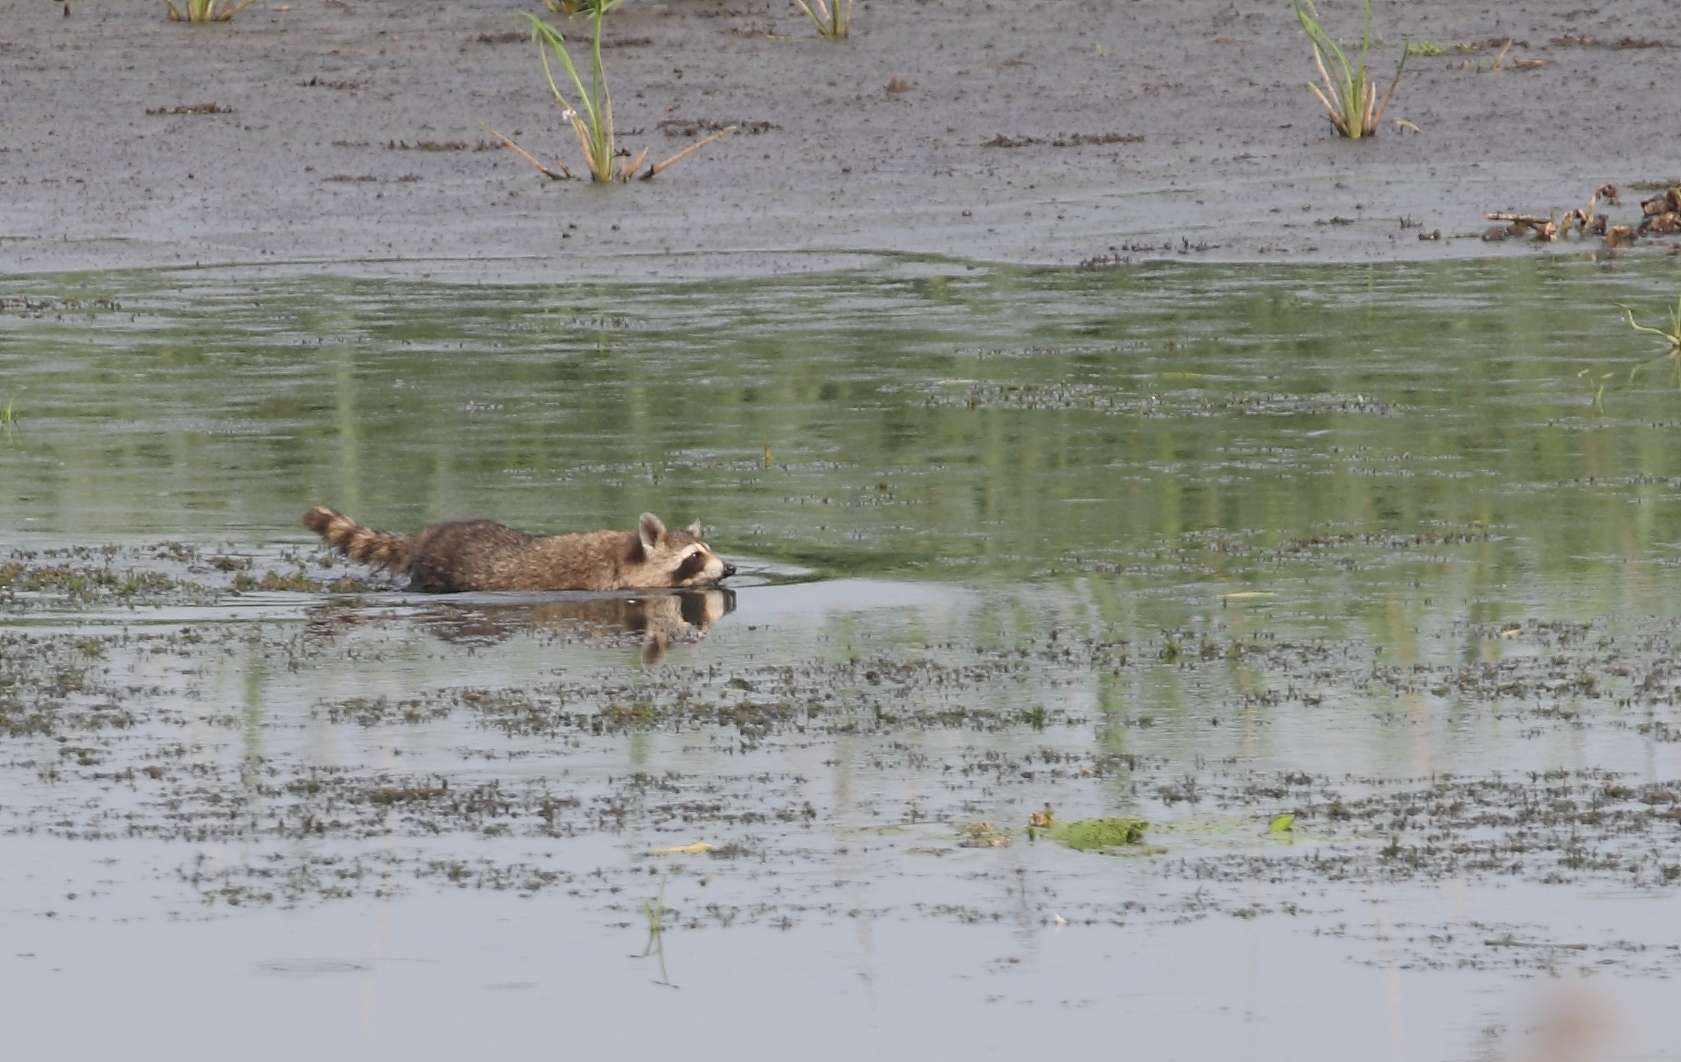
{"type": "Point", "coordinates": [1546, 229]}
{"type": "Point", "coordinates": [629, 168]}
{"type": "Point", "coordinates": [1529, 220]}
{"type": "Point", "coordinates": [564, 174]}
{"type": "Point", "coordinates": [686, 152]}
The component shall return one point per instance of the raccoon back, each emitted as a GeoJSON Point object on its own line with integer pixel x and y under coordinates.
{"type": "Point", "coordinates": [466, 555]}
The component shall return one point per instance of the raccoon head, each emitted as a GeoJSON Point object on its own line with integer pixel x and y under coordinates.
{"type": "Point", "coordinates": [680, 556]}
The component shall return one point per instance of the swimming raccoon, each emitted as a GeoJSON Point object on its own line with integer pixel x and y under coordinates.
{"type": "Point", "coordinates": [482, 555]}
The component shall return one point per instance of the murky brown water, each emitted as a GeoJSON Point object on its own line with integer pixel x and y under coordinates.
{"type": "Point", "coordinates": [1204, 546]}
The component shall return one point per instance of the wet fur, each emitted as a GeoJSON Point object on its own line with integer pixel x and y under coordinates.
{"type": "Point", "coordinates": [465, 555]}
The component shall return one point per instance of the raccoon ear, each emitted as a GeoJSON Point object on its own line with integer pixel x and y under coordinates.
{"type": "Point", "coordinates": [650, 530]}
{"type": "Point", "coordinates": [694, 529]}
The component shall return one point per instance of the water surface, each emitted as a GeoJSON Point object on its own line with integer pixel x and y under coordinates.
{"type": "Point", "coordinates": [1393, 549]}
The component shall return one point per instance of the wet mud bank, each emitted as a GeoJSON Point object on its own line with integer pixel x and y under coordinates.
{"type": "Point", "coordinates": [348, 137]}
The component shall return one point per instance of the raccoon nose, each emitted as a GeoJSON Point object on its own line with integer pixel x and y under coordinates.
{"type": "Point", "coordinates": [729, 570]}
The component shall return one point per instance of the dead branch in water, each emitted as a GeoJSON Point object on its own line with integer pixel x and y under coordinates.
{"type": "Point", "coordinates": [563, 175]}
{"type": "Point", "coordinates": [685, 153]}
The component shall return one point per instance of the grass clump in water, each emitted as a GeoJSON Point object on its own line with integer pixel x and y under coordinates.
{"type": "Point", "coordinates": [1101, 835]}
{"type": "Point", "coordinates": [833, 18]}
{"type": "Point", "coordinates": [592, 118]}
{"type": "Point", "coordinates": [1349, 98]}
{"type": "Point", "coordinates": [206, 10]}
{"type": "Point", "coordinates": [1672, 336]}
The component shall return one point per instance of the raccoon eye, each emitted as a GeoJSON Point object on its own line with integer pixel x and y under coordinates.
{"type": "Point", "coordinates": [692, 565]}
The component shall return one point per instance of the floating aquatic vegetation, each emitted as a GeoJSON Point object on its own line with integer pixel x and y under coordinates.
{"type": "Point", "coordinates": [983, 835]}
{"type": "Point", "coordinates": [1101, 835]}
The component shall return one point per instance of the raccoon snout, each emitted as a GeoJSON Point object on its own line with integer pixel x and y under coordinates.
{"type": "Point", "coordinates": [729, 570]}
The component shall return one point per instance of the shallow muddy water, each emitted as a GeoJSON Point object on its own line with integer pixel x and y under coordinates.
{"type": "Point", "coordinates": [1395, 550]}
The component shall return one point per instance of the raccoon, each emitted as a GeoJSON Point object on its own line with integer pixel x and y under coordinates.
{"type": "Point", "coordinates": [465, 555]}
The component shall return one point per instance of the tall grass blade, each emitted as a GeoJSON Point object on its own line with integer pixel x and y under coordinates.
{"type": "Point", "coordinates": [206, 10]}
{"type": "Point", "coordinates": [831, 19]}
{"type": "Point", "coordinates": [592, 118]}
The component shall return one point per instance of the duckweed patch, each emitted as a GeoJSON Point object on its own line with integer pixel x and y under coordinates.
{"type": "Point", "coordinates": [166, 573]}
{"type": "Point", "coordinates": [1101, 835]}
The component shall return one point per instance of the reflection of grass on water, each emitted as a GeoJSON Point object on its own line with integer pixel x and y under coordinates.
{"type": "Point", "coordinates": [654, 911]}
{"type": "Point", "coordinates": [9, 419]}
{"type": "Point", "coordinates": [1597, 383]}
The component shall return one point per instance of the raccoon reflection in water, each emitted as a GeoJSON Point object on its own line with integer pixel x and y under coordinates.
{"type": "Point", "coordinates": [468, 555]}
{"type": "Point", "coordinates": [661, 619]}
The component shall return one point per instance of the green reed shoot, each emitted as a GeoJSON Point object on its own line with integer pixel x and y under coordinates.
{"type": "Point", "coordinates": [593, 123]}
{"type": "Point", "coordinates": [1672, 337]}
{"type": "Point", "coordinates": [833, 18]}
{"type": "Point", "coordinates": [1349, 98]}
{"type": "Point", "coordinates": [206, 10]}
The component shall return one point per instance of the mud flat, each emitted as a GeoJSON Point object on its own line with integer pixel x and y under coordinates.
{"type": "Point", "coordinates": [346, 135]}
